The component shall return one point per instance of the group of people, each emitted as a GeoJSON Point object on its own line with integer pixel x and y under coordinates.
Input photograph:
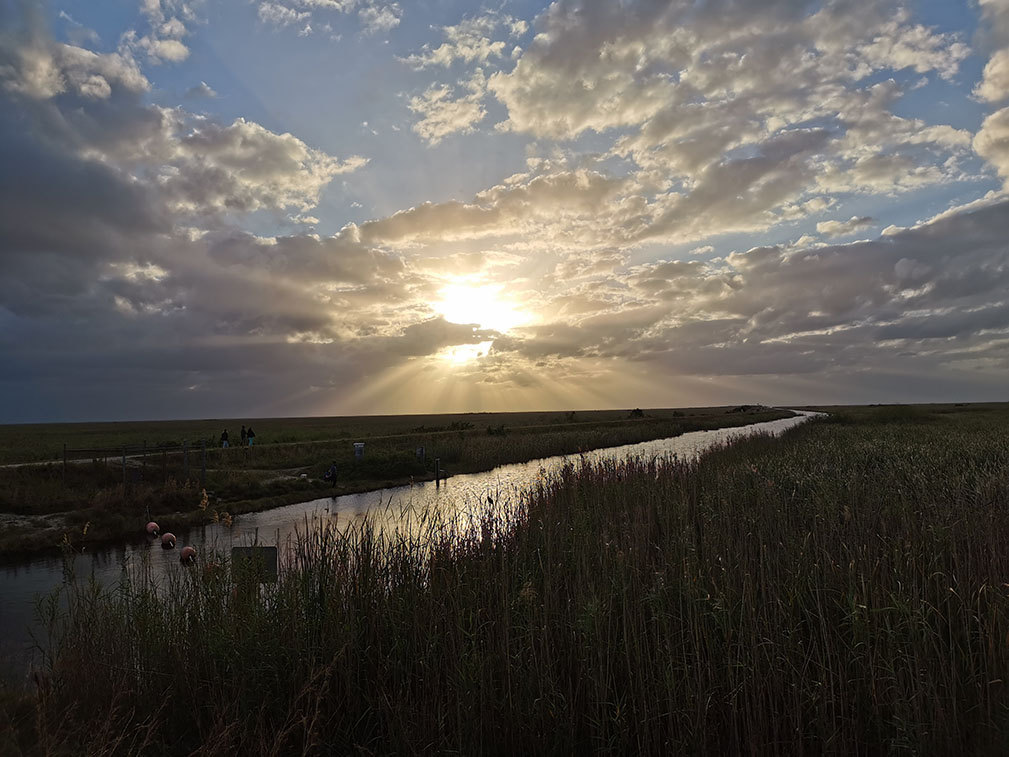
{"type": "Point", "coordinates": [247, 436]}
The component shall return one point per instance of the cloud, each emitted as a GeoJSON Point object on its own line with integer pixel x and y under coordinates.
{"type": "Point", "coordinates": [735, 120]}
{"type": "Point", "coordinates": [376, 17]}
{"type": "Point", "coordinates": [442, 114]}
{"type": "Point", "coordinates": [843, 228]}
{"type": "Point", "coordinates": [245, 167]}
{"type": "Point", "coordinates": [992, 141]}
{"type": "Point", "coordinates": [994, 33]}
{"type": "Point", "coordinates": [552, 203]}
{"type": "Point", "coordinates": [91, 104]}
{"type": "Point", "coordinates": [163, 43]}
{"type": "Point", "coordinates": [994, 84]}
{"type": "Point", "coordinates": [786, 311]}
{"type": "Point", "coordinates": [97, 182]}
{"type": "Point", "coordinates": [433, 335]}
{"type": "Point", "coordinates": [39, 68]}
{"type": "Point", "coordinates": [469, 41]}
{"type": "Point", "coordinates": [78, 33]}
{"type": "Point", "coordinates": [281, 15]}
{"type": "Point", "coordinates": [163, 50]}
{"type": "Point", "coordinates": [201, 91]}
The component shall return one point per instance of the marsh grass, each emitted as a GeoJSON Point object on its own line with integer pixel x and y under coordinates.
{"type": "Point", "coordinates": [840, 590]}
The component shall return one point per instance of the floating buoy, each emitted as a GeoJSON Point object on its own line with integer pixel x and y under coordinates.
{"type": "Point", "coordinates": [152, 529]}
{"type": "Point", "coordinates": [188, 555]}
{"type": "Point", "coordinates": [168, 541]}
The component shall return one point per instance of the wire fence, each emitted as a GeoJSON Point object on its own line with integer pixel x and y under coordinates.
{"type": "Point", "coordinates": [141, 462]}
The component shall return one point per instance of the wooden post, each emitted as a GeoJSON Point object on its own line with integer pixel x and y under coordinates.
{"type": "Point", "coordinates": [124, 468]}
{"type": "Point", "coordinates": [437, 471]}
{"type": "Point", "coordinates": [203, 472]}
{"type": "Point", "coordinates": [64, 463]}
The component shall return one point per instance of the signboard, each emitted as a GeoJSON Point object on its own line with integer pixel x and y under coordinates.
{"type": "Point", "coordinates": [259, 560]}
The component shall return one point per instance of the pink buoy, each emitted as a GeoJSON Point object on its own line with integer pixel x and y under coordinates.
{"type": "Point", "coordinates": [168, 541]}
{"type": "Point", "coordinates": [152, 529]}
{"type": "Point", "coordinates": [187, 555]}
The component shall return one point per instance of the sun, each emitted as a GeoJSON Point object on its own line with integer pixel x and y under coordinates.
{"type": "Point", "coordinates": [459, 354]}
{"type": "Point", "coordinates": [482, 304]}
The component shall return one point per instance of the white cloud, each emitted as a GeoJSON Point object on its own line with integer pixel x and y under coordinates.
{"type": "Point", "coordinates": [310, 16]}
{"type": "Point", "coordinates": [201, 91]}
{"type": "Point", "coordinates": [245, 167]}
{"type": "Point", "coordinates": [280, 15]}
{"type": "Point", "coordinates": [442, 114]}
{"type": "Point", "coordinates": [377, 17]}
{"type": "Point", "coordinates": [713, 109]}
{"type": "Point", "coordinates": [568, 206]}
{"type": "Point", "coordinates": [164, 50]}
{"type": "Point", "coordinates": [994, 32]}
{"type": "Point", "coordinates": [992, 141]}
{"type": "Point", "coordinates": [163, 44]}
{"type": "Point", "coordinates": [42, 69]}
{"type": "Point", "coordinates": [78, 33]}
{"type": "Point", "coordinates": [470, 41]}
{"type": "Point", "coordinates": [92, 105]}
{"type": "Point", "coordinates": [994, 84]}
{"type": "Point", "coordinates": [843, 228]}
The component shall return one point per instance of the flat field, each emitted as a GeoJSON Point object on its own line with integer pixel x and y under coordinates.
{"type": "Point", "coordinates": [840, 590]}
{"type": "Point", "coordinates": [101, 494]}
{"type": "Point", "coordinates": [44, 441]}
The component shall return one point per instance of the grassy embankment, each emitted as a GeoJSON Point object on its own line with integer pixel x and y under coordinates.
{"type": "Point", "coordinates": [39, 503]}
{"type": "Point", "coordinates": [841, 590]}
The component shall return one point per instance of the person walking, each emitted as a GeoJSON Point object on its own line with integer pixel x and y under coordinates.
{"type": "Point", "coordinates": [244, 435]}
{"type": "Point", "coordinates": [330, 475]}
{"type": "Point", "coordinates": [224, 438]}
{"type": "Point", "coordinates": [250, 434]}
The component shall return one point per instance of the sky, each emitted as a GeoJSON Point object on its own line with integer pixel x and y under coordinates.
{"type": "Point", "coordinates": [238, 209]}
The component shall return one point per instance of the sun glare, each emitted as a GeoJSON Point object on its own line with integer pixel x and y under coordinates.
{"type": "Point", "coordinates": [480, 304]}
{"type": "Point", "coordinates": [465, 353]}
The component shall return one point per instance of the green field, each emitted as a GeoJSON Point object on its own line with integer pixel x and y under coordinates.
{"type": "Point", "coordinates": [100, 493]}
{"type": "Point", "coordinates": [840, 590]}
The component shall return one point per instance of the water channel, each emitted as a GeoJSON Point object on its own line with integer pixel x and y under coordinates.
{"type": "Point", "coordinates": [22, 583]}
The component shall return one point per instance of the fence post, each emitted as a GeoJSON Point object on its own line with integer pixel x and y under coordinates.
{"type": "Point", "coordinates": [124, 469]}
{"type": "Point", "coordinates": [64, 463]}
{"type": "Point", "coordinates": [185, 460]}
{"type": "Point", "coordinates": [203, 471]}
{"type": "Point", "coordinates": [164, 467]}
{"type": "Point", "coordinates": [437, 472]}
